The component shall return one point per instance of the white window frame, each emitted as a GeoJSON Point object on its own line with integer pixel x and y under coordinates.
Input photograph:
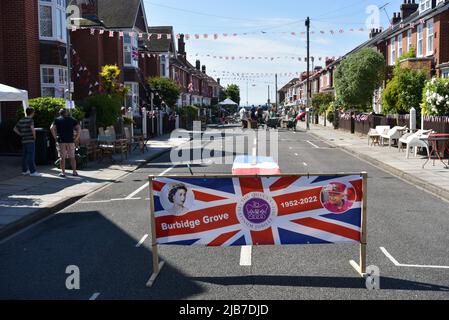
{"type": "Point", "coordinates": [58, 9]}
{"type": "Point", "coordinates": [425, 5]}
{"type": "Point", "coordinates": [164, 66]}
{"type": "Point", "coordinates": [440, 1]}
{"type": "Point", "coordinates": [430, 37]}
{"type": "Point", "coordinates": [133, 92]}
{"type": "Point", "coordinates": [445, 73]}
{"type": "Point", "coordinates": [420, 37]}
{"type": "Point", "coordinates": [409, 39]}
{"type": "Point", "coordinates": [400, 45]}
{"type": "Point", "coordinates": [393, 51]}
{"type": "Point", "coordinates": [59, 85]}
{"type": "Point", "coordinates": [129, 49]}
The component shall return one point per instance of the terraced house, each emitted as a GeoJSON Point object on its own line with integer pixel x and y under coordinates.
{"type": "Point", "coordinates": [33, 42]}
{"type": "Point", "coordinates": [423, 26]}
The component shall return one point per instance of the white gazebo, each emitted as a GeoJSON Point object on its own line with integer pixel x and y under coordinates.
{"type": "Point", "coordinates": [228, 103]}
{"type": "Point", "coordinates": [12, 94]}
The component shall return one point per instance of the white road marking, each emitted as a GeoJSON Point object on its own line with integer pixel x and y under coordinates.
{"type": "Point", "coordinates": [397, 264]}
{"type": "Point", "coordinates": [312, 144]}
{"type": "Point", "coordinates": [94, 296]}
{"type": "Point", "coordinates": [305, 164]}
{"type": "Point", "coordinates": [296, 154]}
{"type": "Point", "coordinates": [245, 256]}
{"type": "Point", "coordinates": [389, 256]}
{"type": "Point", "coordinates": [137, 191]}
{"type": "Point", "coordinates": [141, 241]}
{"type": "Point", "coordinates": [111, 200]}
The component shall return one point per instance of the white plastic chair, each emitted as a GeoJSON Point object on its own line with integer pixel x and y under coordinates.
{"type": "Point", "coordinates": [394, 134]}
{"type": "Point", "coordinates": [416, 140]}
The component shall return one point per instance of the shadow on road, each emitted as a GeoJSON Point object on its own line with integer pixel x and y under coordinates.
{"type": "Point", "coordinates": [386, 283]}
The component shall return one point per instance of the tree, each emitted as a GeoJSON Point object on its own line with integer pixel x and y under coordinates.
{"type": "Point", "coordinates": [321, 101]}
{"type": "Point", "coordinates": [404, 91]}
{"type": "Point", "coordinates": [109, 76]}
{"type": "Point", "coordinates": [436, 97]}
{"type": "Point", "coordinates": [222, 96]}
{"type": "Point", "coordinates": [106, 108]}
{"type": "Point", "coordinates": [233, 93]}
{"type": "Point", "coordinates": [168, 91]}
{"type": "Point", "coordinates": [358, 76]}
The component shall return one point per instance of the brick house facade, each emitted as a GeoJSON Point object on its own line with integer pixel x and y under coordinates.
{"type": "Point", "coordinates": [23, 52]}
{"type": "Point", "coordinates": [422, 25]}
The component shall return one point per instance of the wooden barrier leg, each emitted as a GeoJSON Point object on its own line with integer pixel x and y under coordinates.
{"type": "Point", "coordinates": [361, 268]}
{"type": "Point", "coordinates": [157, 266]}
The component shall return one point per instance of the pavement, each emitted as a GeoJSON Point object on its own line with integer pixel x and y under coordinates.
{"type": "Point", "coordinates": [25, 200]}
{"type": "Point", "coordinates": [433, 178]}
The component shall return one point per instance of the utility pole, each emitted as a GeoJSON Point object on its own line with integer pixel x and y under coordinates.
{"type": "Point", "coordinates": [69, 58]}
{"type": "Point", "coordinates": [308, 73]}
{"type": "Point", "coordinates": [268, 94]}
{"type": "Point", "coordinates": [247, 93]}
{"type": "Point", "coordinates": [276, 86]}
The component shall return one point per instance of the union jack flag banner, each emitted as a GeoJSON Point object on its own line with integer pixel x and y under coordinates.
{"type": "Point", "coordinates": [274, 210]}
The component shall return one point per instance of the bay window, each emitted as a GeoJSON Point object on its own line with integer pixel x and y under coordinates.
{"type": "Point", "coordinates": [393, 51]}
{"type": "Point", "coordinates": [409, 39]}
{"type": "Point", "coordinates": [420, 45]}
{"type": "Point", "coordinates": [430, 37]}
{"type": "Point", "coordinates": [163, 66]}
{"type": "Point", "coordinates": [445, 73]}
{"type": "Point", "coordinates": [400, 50]}
{"type": "Point", "coordinates": [53, 81]}
{"type": "Point", "coordinates": [52, 20]}
{"type": "Point", "coordinates": [130, 51]}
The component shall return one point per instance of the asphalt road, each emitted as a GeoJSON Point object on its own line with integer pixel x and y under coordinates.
{"type": "Point", "coordinates": [101, 233]}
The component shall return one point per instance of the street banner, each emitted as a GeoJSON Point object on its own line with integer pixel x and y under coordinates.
{"type": "Point", "coordinates": [229, 210]}
{"type": "Point", "coordinates": [286, 210]}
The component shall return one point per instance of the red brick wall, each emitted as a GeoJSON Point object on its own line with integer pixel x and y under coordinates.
{"type": "Point", "coordinates": [442, 37]}
{"type": "Point", "coordinates": [88, 54]}
{"type": "Point", "coordinates": [94, 52]}
{"type": "Point", "coordinates": [21, 56]}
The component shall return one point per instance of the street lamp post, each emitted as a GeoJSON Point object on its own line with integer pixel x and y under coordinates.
{"type": "Point", "coordinates": [308, 73]}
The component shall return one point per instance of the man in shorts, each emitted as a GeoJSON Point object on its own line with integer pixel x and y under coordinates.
{"type": "Point", "coordinates": [63, 129]}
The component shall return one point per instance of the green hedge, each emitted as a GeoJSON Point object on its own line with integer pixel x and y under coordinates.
{"type": "Point", "coordinates": [47, 109]}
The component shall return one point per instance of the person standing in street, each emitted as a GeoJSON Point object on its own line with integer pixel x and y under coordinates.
{"type": "Point", "coordinates": [63, 129]}
{"type": "Point", "coordinates": [244, 118]}
{"type": "Point", "coordinates": [25, 129]}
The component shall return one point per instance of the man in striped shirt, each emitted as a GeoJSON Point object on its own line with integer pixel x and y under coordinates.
{"type": "Point", "coordinates": [25, 129]}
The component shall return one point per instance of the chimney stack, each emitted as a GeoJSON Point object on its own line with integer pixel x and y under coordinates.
{"type": "Point", "coordinates": [218, 81]}
{"type": "Point", "coordinates": [408, 8]}
{"type": "Point", "coordinates": [396, 18]}
{"type": "Point", "coordinates": [198, 65]}
{"type": "Point", "coordinates": [181, 45]}
{"type": "Point", "coordinates": [374, 32]}
{"type": "Point", "coordinates": [203, 69]}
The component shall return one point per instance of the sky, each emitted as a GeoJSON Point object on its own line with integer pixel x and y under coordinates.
{"type": "Point", "coordinates": [268, 24]}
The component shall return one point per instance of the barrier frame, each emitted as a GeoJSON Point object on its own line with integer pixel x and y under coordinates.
{"type": "Point", "coordinates": [360, 267]}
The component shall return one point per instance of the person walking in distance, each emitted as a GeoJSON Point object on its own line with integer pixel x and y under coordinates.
{"type": "Point", "coordinates": [25, 129]}
{"type": "Point", "coordinates": [62, 130]}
